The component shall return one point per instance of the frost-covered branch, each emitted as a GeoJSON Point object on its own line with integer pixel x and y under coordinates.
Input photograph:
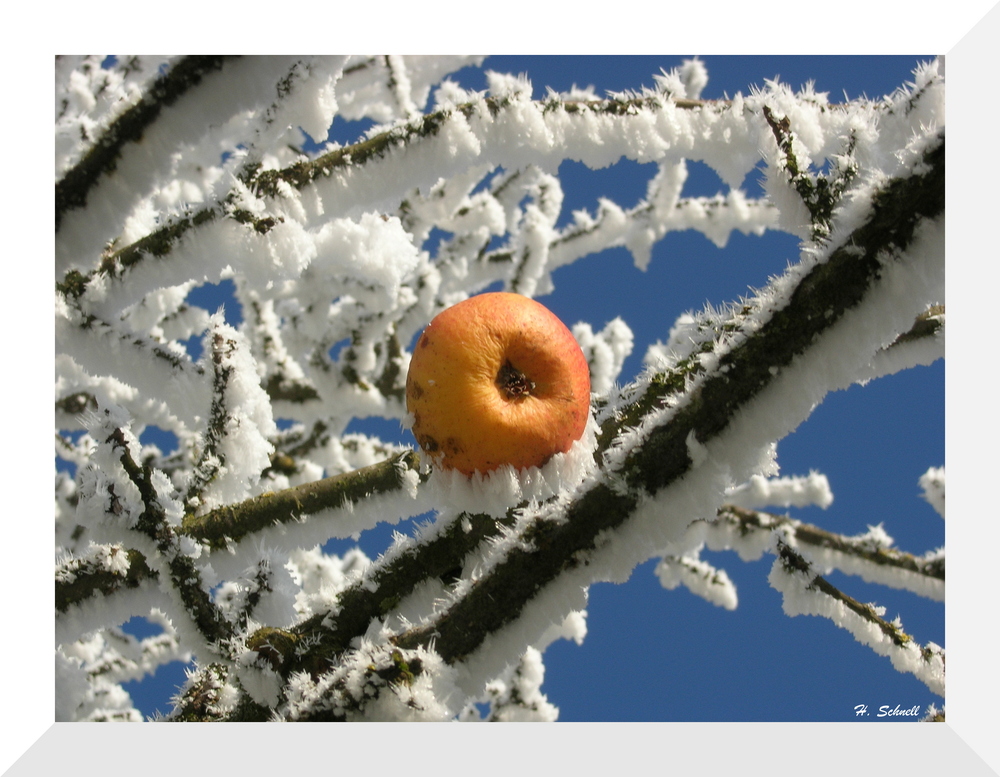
{"type": "Point", "coordinates": [343, 164]}
{"type": "Point", "coordinates": [664, 455]}
{"type": "Point", "coordinates": [78, 579]}
{"type": "Point", "coordinates": [806, 593]}
{"type": "Point", "coordinates": [74, 185]}
{"type": "Point", "coordinates": [870, 555]}
{"type": "Point", "coordinates": [233, 523]}
{"type": "Point", "coordinates": [128, 494]}
{"type": "Point", "coordinates": [928, 324]}
{"type": "Point", "coordinates": [436, 560]}
{"type": "Point", "coordinates": [516, 696]}
{"type": "Point", "coordinates": [122, 657]}
{"type": "Point", "coordinates": [335, 163]}
{"type": "Point", "coordinates": [922, 344]}
{"type": "Point", "coordinates": [820, 194]}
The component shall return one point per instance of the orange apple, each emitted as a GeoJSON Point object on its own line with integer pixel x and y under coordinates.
{"type": "Point", "coordinates": [497, 379]}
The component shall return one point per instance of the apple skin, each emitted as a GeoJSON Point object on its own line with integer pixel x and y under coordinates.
{"type": "Point", "coordinates": [497, 379]}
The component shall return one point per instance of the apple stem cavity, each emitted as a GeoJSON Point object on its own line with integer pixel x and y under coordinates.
{"type": "Point", "coordinates": [497, 380]}
{"type": "Point", "coordinates": [512, 382]}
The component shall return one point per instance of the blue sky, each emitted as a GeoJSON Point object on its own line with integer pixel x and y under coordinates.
{"type": "Point", "coordinates": [653, 654]}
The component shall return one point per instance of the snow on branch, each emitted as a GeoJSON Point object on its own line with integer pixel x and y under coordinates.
{"type": "Point", "coordinates": [516, 697]}
{"type": "Point", "coordinates": [922, 344]}
{"type": "Point", "coordinates": [125, 494]}
{"type": "Point", "coordinates": [234, 445]}
{"type": "Point", "coordinates": [785, 492]}
{"type": "Point", "coordinates": [118, 657]}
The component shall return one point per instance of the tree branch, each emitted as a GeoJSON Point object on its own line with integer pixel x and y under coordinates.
{"type": "Point", "coordinates": [184, 575]}
{"type": "Point", "coordinates": [793, 561]}
{"type": "Point", "coordinates": [927, 325]}
{"type": "Point", "coordinates": [233, 523]}
{"type": "Point", "coordinates": [548, 548]}
{"type": "Point", "coordinates": [806, 593]}
{"type": "Point", "coordinates": [651, 435]}
{"type": "Point", "coordinates": [267, 183]}
{"type": "Point", "coordinates": [80, 579]}
{"type": "Point", "coordinates": [379, 592]}
{"type": "Point", "coordinates": [73, 187]}
{"type": "Point", "coordinates": [809, 535]}
{"type": "Point", "coordinates": [703, 400]}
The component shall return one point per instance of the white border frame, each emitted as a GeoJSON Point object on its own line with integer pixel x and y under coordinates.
{"type": "Point", "coordinates": [967, 744]}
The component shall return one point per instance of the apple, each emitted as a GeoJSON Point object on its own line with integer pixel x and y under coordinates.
{"type": "Point", "coordinates": [497, 379]}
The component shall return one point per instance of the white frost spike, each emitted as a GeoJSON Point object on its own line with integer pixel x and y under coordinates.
{"type": "Point", "coordinates": [874, 539]}
{"type": "Point", "coordinates": [687, 81]}
{"type": "Point", "coordinates": [694, 75]}
{"type": "Point", "coordinates": [377, 683]}
{"type": "Point", "coordinates": [258, 679]}
{"type": "Point", "coordinates": [505, 85]}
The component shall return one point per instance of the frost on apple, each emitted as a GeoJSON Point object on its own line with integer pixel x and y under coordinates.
{"type": "Point", "coordinates": [208, 457]}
